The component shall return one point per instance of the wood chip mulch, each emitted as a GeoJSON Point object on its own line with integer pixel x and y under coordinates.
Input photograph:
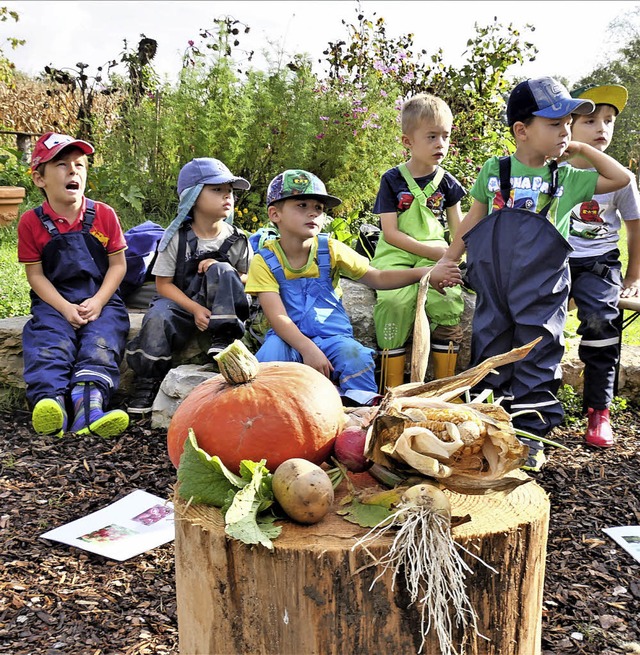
{"type": "Point", "coordinates": [58, 600]}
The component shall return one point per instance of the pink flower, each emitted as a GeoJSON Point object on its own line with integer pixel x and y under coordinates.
{"type": "Point", "coordinates": [191, 43]}
{"type": "Point", "coordinates": [320, 136]}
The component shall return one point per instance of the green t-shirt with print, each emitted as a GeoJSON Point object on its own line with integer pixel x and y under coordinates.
{"type": "Point", "coordinates": [530, 186]}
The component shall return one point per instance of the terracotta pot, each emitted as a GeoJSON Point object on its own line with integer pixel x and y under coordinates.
{"type": "Point", "coordinates": [10, 199]}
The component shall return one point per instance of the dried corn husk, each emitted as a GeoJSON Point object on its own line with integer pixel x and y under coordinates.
{"type": "Point", "coordinates": [421, 334]}
{"type": "Point", "coordinates": [416, 430]}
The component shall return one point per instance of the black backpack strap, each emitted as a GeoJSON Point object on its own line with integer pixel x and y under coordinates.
{"type": "Point", "coordinates": [505, 178]}
{"type": "Point", "coordinates": [45, 219]}
{"type": "Point", "coordinates": [185, 234]}
{"type": "Point", "coordinates": [553, 187]}
{"type": "Point", "coordinates": [89, 215]}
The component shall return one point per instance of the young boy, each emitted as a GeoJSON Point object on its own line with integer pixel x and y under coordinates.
{"type": "Point", "coordinates": [200, 273]}
{"type": "Point", "coordinates": [517, 255]}
{"type": "Point", "coordinates": [418, 203]}
{"type": "Point", "coordinates": [296, 278]}
{"type": "Point", "coordinates": [73, 252]}
{"type": "Point", "coordinates": [595, 265]}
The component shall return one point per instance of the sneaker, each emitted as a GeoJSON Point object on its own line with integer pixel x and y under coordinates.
{"type": "Point", "coordinates": [535, 461]}
{"type": "Point", "coordinates": [536, 458]}
{"type": "Point", "coordinates": [599, 433]}
{"type": "Point", "coordinates": [110, 424]}
{"type": "Point", "coordinates": [218, 344]}
{"type": "Point", "coordinates": [50, 417]}
{"type": "Point", "coordinates": [144, 394]}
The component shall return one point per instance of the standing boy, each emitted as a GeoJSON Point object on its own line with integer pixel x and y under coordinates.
{"type": "Point", "coordinates": [200, 273]}
{"type": "Point", "coordinates": [73, 252]}
{"type": "Point", "coordinates": [517, 255]}
{"type": "Point", "coordinates": [596, 280]}
{"type": "Point", "coordinates": [296, 278]}
{"type": "Point", "coordinates": [418, 203]}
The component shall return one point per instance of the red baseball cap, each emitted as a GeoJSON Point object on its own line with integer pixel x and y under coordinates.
{"type": "Point", "coordinates": [51, 143]}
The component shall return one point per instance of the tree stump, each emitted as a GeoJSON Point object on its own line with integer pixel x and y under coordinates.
{"type": "Point", "coordinates": [312, 594]}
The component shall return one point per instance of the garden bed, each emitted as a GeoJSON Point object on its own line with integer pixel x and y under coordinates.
{"type": "Point", "coordinates": [57, 599]}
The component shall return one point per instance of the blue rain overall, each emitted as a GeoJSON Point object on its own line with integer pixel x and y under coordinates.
{"type": "Point", "coordinates": [316, 309]}
{"type": "Point", "coordinates": [518, 265]}
{"type": "Point", "coordinates": [166, 327]}
{"type": "Point", "coordinates": [57, 356]}
{"type": "Point", "coordinates": [596, 283]}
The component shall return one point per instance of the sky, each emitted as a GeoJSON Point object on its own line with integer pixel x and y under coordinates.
{"type": "Point", "coordinates": [573, 37]}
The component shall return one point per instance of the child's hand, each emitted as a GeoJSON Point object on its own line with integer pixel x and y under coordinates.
{"type": "Point", "coordinates": [205, 265]}
{"type": "Point", "coordinates": [202, 316]}
{"type": "Point", "coordinates": [73, 316]}
{"type": "Point", "coordinates": [90, 309]}
{"type": "Point", "coordinates": [631, 289]}
{"type": "Point", "coordinates": [445, 274]}
{"type": "Point", "coordinates": [315, 358]}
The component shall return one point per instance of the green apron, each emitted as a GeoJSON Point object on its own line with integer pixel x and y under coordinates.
{"type": "Point", "coordinates": [395, 310]}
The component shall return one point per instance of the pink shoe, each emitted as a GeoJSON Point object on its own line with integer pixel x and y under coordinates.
{"type": "Point", "coordinates": [599, 432]}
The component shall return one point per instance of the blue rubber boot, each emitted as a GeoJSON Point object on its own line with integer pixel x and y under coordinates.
{"type": "Point", "coordinates": [89, 415]}
{"type": "Point", "coordinates": [50, 416]}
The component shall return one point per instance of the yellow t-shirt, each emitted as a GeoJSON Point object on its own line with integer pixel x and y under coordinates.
{"type": "Point", "coordinates": [344, 262]}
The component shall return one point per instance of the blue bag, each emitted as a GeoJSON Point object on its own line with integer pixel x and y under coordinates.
{"type": "Point", "coordinates": [142, 242]}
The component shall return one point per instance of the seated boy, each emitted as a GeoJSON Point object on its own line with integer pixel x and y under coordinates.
{"type": "Point", "coordinates": [73, 252]}
{"type": "Point", "coordinates": [296, 278]}
{"type": "Point", "coordinates": [418, 203]}
{"type": "Point", "coordinates": [200, 273]}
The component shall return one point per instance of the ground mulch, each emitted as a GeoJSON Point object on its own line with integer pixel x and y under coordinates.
{"type": "Point", "coordinates": [55, 599]}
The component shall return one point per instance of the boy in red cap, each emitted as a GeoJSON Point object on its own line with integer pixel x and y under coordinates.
{"type": "Point", "coordinates": [73, 252]}
{"type": "Point", "coordinates": [515, 234]}
{"type": "Point", "coordinates": [596, 278]}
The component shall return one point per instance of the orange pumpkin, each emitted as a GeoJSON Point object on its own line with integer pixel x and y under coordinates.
{"type": "Point", "coordinates": [274, 411]}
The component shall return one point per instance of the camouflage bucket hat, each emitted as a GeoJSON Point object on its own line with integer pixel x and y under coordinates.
{"type": "Point", "coordinates": [299, 184]}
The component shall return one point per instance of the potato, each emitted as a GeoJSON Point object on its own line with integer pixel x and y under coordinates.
{"type": "Point", "coordinates": [303, 490]}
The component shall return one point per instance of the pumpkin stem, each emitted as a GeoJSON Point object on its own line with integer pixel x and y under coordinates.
{"type": "Point", "coordinates": [237, 364]}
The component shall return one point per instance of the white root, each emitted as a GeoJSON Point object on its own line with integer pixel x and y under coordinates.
{"type": "Point", "coordinates": [434, 572]}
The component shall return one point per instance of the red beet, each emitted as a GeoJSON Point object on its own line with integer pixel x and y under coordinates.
{"type": "Point", "coordinates": [348, 449]}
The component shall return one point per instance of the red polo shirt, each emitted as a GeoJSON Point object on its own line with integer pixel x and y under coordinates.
{"type": "Point", "coordinates": [33, 236]}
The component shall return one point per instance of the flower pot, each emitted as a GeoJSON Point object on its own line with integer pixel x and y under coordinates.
{"type": "Point", "coordinates": [10, 199]}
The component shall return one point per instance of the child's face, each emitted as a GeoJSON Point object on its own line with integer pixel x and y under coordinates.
{"type": "Point", "coordinates": [595, 129]}
{"type": "Point", "coordinates": [215, 202]}
{"type": "Point", "coordinates": [428, 142]}
{"type": "Point", "coordinates": [548, 137]}
{"type": "Point", "coordinates": [64, 179]}
{"type": "Point", "coordinates": [302, 218]}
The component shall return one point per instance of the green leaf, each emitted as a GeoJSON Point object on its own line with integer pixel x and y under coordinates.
{"type": "Point", "coordinates": [242, 521]}
{"type": "Point", "coordinates": [204, 479]}
{"type": "Point", "coordinates": [366, 516]}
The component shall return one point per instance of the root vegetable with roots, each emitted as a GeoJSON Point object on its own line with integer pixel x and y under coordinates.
{"type": "Point", "coordinates": [424, 550]}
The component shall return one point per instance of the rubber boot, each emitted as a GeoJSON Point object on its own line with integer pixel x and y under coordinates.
{"type": "Point", "coordinates": [89, 414]}
{"type": "Point", "coordinates": [50, 416]}
{"type": "Point", "coordinates": [392, 363]}
{"type": "Point", "coordinates": [444, 358]}
{"type": "Point", "coordinates": [599, 431]}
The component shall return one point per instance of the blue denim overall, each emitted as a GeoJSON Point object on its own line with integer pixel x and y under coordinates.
{"type": "Point", "coordinates": [316, 309]}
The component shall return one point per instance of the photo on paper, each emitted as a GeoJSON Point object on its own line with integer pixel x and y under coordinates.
{"type": "Point", "coordinates": [128, 527]}
{"type": "Point", "coordinates": [628, 537]}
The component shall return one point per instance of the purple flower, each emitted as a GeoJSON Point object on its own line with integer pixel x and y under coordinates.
{"type": "Point", "coordinates": [191, 43]}
{"type": "Point", "coordinates": [320, 136]}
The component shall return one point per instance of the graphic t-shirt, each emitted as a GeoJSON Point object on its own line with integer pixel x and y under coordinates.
{"type": "Point", "coordinates": [530, 187]}
{"type": "Point", "coordinates": [344, 262]}
{"type": "Point", "coordinates": [394, 195]}
{"type": "Point", "coordinates": [595, 223]}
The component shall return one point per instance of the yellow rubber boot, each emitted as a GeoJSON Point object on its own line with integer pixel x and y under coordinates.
{"type": "Point", "coordinates": [392, 363]}
{"type": "Point", "coordinates": [444, 360]}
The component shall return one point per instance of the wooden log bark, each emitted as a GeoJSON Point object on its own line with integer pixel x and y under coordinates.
{"type": "Point", "coordinates": [312, 594]}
